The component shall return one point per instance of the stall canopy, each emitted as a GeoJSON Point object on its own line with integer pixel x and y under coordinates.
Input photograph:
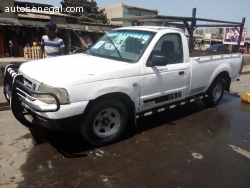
{"type": "Point", "coordinates": [89, 27]}
{"type": "Point", "coordinates": [10, 21]}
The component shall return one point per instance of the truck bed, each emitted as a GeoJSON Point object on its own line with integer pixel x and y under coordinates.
{"type": "Point", "coordinates": [204, 69]}
{"type": "Point", "coordinates": [197, 53]}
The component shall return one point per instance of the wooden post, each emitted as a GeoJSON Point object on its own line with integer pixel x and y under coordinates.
{"type": "Point", "coordinates": [35, 57]}
{"type": "Point", "coordinates": [32, 52]}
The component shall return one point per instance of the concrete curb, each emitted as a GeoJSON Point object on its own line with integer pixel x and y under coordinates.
{"type": "Point", "coordinates": [246, 59]}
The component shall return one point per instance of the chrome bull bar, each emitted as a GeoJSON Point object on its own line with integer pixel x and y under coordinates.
{"type": "Point", "coordinates": [21, 98]}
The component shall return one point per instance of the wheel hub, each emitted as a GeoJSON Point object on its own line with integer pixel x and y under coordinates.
{"type": "Point", "coordinates": [217, 92]}
{"type": "Point", "coordinates": [107, 122]}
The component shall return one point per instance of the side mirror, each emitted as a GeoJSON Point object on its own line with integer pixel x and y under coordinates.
{"type": "Point", "coordinates": [157, 60]}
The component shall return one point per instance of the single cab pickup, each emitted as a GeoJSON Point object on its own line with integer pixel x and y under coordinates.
{"type": "Point", "coordinates": [130, 72]}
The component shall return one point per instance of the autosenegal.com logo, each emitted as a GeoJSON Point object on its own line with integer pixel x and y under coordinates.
{"type": "Point", "coordinates": [50, 10]}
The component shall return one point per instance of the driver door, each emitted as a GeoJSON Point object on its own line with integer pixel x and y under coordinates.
{"type": "Point", "coordinates": [165, 84]}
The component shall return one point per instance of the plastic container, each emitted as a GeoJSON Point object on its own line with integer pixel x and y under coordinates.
{"type": "Point", "coordinates": [246, 97]}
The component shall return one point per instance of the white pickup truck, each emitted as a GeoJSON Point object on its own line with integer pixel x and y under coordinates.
{"type": "Point", "coordinates": [130, 72]}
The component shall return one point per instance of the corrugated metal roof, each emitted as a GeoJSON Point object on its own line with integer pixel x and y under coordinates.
{"type": "Point", "coordinates": [81, 27]}
{"type": "Point", "coordinates": [10, 21]}
{"type": "Point", "coordinates": [33, 16]}
{"type": "Point", "coordinates": [52, 11]}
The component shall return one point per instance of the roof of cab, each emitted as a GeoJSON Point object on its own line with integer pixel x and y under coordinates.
{"type": "Point", "coordinates": [149, 28]}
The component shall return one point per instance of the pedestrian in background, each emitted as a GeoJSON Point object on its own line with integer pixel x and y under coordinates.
{"type": "Point", "coordinates": [52, 45]}
{"type": "Point", "coordinates": [247, 50]}
{"type": "Point", "coordinates": [11, 48]}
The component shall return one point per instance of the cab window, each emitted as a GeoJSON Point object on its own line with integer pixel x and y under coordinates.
{"type": "Point", "coordinates": [170, 46]}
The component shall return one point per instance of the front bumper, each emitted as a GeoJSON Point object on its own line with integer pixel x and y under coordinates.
{"type": "Point", "coordinates": [64, 124]}
{"type": "Point", "coordinates": [30, 111]}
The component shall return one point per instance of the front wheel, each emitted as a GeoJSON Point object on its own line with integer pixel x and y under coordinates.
{"type": "Point", "coordinates": [105, 122]}
{"type": "Point", "coordinates": [215, 92]}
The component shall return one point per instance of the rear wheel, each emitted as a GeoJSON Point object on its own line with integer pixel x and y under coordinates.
{"type": "Point", "coordinates": [215, 92]}
{"type": "Point", "coordinates": [105, 122]}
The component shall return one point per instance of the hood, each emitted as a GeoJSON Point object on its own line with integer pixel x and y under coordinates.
{"type": "Point", "coordinates": [71, 70]}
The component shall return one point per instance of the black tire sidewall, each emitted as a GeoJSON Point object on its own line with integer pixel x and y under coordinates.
{"type": "Point", "coordinates": [86, 127]}
{"type": "Point", "coordinates": [209, 100]}
{"type": "Point", "coordinates": [5, 95]}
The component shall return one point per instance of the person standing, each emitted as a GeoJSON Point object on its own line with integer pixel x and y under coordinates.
{"type": "Point", "coordinates": [11, 48]}
{"type": "Point", "coordinates": [52, 45]}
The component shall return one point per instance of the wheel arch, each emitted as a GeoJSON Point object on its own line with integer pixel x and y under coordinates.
{"type": "Point", "coordinates": [122, 97]}
{"type": "Point", "coordinates": [224, 75]}
{"type": "Point", "coordinates": [242, 64]}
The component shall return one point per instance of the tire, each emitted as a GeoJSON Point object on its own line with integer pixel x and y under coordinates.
{"type": "Point", "coordinates": [5, 95]}
{"type": "Point", "coordinates": [215, 92]}
{"type": "Point", "coordinates": [105, 122]}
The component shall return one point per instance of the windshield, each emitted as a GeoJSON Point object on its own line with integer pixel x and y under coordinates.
{"type": "Point", "coordinates": [131, 44]}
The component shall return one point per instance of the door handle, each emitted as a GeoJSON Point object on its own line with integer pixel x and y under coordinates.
{"type": "Point", "coordinates": [181, 72]}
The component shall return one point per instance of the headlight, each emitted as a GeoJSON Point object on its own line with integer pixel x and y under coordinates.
{"type": "Point", "coordinates": [61, 93]}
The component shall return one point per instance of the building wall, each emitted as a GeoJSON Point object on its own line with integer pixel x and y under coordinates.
{"type": "Point", "coordinates": [216, 32]}
{"type": "Point", "coordinates": [121, 10]}
{"type": "Point", "coordinates": [136, 11]}
{"type": "Point", "coordinates": [114, 11]}
{"type": "Point", "coordinates": [3, 6]}
{"type": "Point", "coordinates": [58, 19]}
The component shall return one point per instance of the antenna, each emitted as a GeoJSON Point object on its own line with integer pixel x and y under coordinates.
{"type": "Point", "coordinates": [176, 10]}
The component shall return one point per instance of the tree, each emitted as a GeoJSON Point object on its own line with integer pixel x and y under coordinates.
{"type": "Point", "coordinates": [90, 11]}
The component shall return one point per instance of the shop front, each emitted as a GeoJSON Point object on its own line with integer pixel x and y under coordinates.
{"type": "Point", "coordinates": [28, 33]}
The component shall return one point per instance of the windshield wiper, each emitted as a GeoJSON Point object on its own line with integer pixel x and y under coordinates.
{"type": "Point", "coordinates": [111, 42]}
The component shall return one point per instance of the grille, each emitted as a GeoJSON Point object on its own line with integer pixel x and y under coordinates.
{"type": "Point", "coordinates": [27, 83]}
